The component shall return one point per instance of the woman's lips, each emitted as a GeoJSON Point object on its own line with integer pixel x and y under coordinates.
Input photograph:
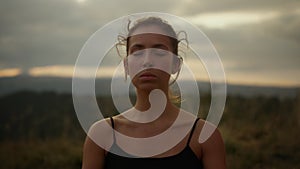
{"type": "Point", "coordinates": [147, 76]}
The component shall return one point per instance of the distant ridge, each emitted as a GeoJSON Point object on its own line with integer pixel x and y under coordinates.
{"type": "Point", "coordinates": [64, 85]}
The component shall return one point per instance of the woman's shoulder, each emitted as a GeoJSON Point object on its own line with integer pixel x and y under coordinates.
{"type": "Point", "coordinates": [101, 125]}
{"type": "Point", "coordinates": [208, 137]}
{"type": "Point", "coordinates": [99, 130]}
{"type": "Point", "coordinates": [210, 140]}
{"type": "Point", "coordinates": [206, 131]}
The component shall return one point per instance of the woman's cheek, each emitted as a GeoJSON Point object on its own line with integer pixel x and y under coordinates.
{"type": "Point", "coordinates": [164, 65]}
{"type": "Point", "coordinates": [134, 67]}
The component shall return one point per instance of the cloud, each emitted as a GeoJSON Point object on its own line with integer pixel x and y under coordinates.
{"type": "Point", "coordinates": [194, 7]}
{"type": "Point", "coordinates": [36, 33]}
{"type": "Point", "coordinates": [250, 36]}
{"type": "Point", "coordinates": [252, 49]}
{"type": "Point", "coordinates": [285, 26]}
{"type": "Point", "coordinates": [230, 19]}
{"type": "Point", "coordinates": [41, 33]}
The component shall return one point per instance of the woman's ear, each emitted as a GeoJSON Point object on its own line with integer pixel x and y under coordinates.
{"type": "Point", "coordinates": [177, 61]}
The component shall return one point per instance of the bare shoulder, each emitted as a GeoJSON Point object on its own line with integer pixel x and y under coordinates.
{"type": "Point", "coordinates": [212, 145]}
{"type": "Point", "coordinates": [207, 132]}
{"type": "Point", "coordinates": [101, 133]}
{"type": "Point", "coordinates": [99, 139]}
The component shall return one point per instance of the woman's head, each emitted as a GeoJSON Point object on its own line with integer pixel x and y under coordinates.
{"type": "Point", "coordinates": [146, 36]}
{"type": "Point", "coordinates": [153, 25]}
{"type": "Point", "coordinates": [151, 43]}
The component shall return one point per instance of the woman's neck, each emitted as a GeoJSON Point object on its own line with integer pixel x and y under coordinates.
{"type": "Point", "coordinates": [156, 99]}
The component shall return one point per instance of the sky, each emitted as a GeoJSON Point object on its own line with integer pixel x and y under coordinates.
{"type": "Point", "coordinates": [257, 41]}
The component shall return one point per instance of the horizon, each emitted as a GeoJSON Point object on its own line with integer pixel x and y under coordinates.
{"type": "Point", "coordinates": [109, 78]}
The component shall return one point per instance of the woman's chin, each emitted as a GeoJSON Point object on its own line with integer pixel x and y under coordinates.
{"type": "Point", "coordinates": [148, 87]}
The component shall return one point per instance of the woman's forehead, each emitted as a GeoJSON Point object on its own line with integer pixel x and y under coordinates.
{"type": "Point", "coordinates": [150, 29]}
{"type": "Point", "coordinates": [149, 39]}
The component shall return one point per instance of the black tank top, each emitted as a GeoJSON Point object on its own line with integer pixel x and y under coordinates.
{"type": "Point", "coordinates": [184, 159]}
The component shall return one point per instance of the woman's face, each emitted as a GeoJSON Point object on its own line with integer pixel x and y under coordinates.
{"type": "Point", "coordinates": [150, 60]}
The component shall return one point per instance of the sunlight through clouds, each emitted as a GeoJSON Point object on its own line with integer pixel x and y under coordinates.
{"type": "Point", "coordinates": [67, 71]}
{"type": "Point", "coordinates": [11, 72]}
{"type": "Point", "coordinates": [227, 19]}
{"type": "Point", "coordinates": [55, 70]}
{"type": "Point", "coordinates": [81, 1]}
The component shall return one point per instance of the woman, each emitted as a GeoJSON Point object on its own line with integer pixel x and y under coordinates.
{"type": "Point", "coordinates": [152, 56]}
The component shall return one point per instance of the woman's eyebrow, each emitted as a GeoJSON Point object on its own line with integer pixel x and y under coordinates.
{"type": "Point", "coordinates": [137, 46]}
{"type": "Point", "coordinates": [140, 46]}
{"type": "Point", "coordinates": [160, 46]}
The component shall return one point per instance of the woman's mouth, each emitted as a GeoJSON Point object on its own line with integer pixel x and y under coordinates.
{"type": "Point", "coordinates": [147, 76]}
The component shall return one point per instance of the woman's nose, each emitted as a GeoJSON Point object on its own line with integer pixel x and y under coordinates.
{"type": "Point", "coordinates": [148, 60]}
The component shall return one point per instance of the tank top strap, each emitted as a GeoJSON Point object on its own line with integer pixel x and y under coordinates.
{"type": "Point", "coordinates": [113, 127]}
{"type": "Point", "coordinates": [112, 122]}
{"type": "Point", "coordinates": [192, 131]}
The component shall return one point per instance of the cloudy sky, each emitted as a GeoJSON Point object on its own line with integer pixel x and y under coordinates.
{"type": "Point", "coordinates": [258, 41]}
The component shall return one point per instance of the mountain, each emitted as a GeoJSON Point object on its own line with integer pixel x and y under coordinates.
{"type": "Point", "coordinates": [103, 86]}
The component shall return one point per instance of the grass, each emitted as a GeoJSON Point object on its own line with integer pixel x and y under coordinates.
{"type": "Point", "coordinates": [259, 133]}
{"type": "Point", "coordinates": [55, 153]}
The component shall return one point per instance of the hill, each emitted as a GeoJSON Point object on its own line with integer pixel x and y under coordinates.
{"type": "Point", "coordinates": [102, 86]}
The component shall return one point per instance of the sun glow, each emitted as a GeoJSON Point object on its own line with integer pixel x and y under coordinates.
{"type": "Point", "coordinates": [81, 1]}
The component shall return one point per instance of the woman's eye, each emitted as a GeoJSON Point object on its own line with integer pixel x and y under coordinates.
{"type": "Point", "coordinates": [138, 53]}
{"type": "Point", "coordinates": [153, 52]}
{"type": "Point", "coordinates": [160, 52]}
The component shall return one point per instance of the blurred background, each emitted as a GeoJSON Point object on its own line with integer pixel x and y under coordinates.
{"type": "Point", "coordinates": [258, 43]}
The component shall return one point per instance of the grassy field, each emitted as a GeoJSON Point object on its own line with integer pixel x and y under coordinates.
{"type": "Point", "coordinates": [40, 130]}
